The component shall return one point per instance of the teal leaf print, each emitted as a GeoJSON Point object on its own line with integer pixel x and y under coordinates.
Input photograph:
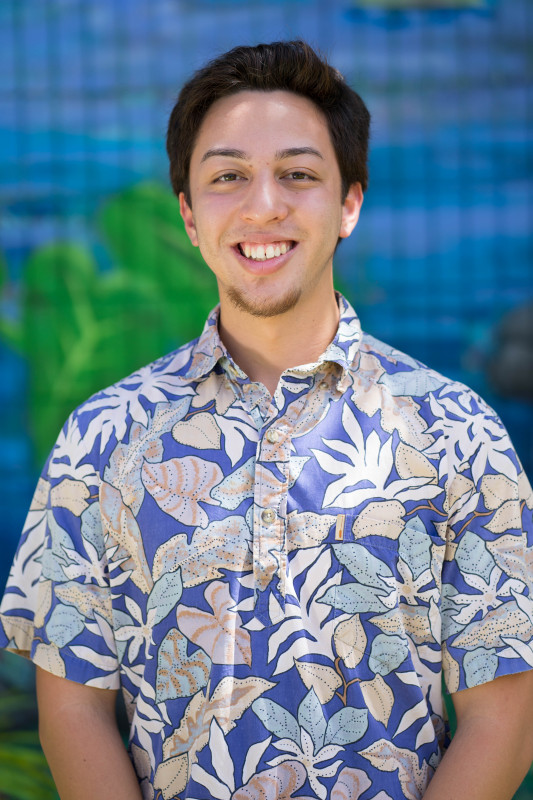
{"type": "Point", "coordinates": [277, 719]}
{"type": "Point", "coordinates": [179, 674]}
{"type": "Point", "coordinates": [91, 528]}
{"type": "Point", "coordinates": [165, 595]}
{"type": "Point", "coordinates": [415, 547]}
{"type": "Point", "coordinates": [362, 564]}
{"type": "Point", "coordinates": [480, 666]}
{"type": "Point", "coordinates": [473, 556]}
{"type": "Point", "coordinates": [311, 717]}
{"type": "Point", "coordinates": [64, 625]}
{"type": "Point", "coordinates": [411, 383]}
{"type": "Point", "coordinates": [354, 598]}
{"type": "Point", "coordinates": [347, 726]}
{"type": "Point", "coordinates": [387, 653]}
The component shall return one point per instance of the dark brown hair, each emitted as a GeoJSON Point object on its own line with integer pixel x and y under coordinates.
{"type": "Point", "coordinates": [291, 66]}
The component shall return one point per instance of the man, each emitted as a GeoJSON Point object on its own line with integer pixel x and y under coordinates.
{"type": "Point", "coordinates": [277, 538]}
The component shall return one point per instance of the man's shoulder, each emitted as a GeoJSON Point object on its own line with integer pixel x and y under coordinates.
{"type": "Point", "coordinates": [110, 413]}
{"type": "Point", "coordinates": [403, 376]}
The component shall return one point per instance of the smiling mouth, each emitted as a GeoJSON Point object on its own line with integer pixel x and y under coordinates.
{"type": "Point", "coordinates": [264, 252]}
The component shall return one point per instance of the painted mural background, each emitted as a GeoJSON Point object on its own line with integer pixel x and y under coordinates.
{"type": "Point", "coordinates": [97, 277]}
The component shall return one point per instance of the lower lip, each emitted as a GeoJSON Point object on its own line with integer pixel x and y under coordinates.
{"type": "Point", "coordinates": [266, 267]}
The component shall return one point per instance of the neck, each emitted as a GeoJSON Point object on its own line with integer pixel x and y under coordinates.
{"type": "Point", "coordinates": [264, 347]}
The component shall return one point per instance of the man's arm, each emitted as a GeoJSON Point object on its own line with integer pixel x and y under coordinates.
{"type": "Point", "coordinates": [492, 749]}
{"type": "Point", "coordinates": [81, 741]}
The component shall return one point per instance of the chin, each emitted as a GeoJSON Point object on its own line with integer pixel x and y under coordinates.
{"type": "Point", "coordinates": [265, 307]}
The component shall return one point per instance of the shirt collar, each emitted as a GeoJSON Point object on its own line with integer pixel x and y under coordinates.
{"type": "Point", "coordinates": [209, 349]}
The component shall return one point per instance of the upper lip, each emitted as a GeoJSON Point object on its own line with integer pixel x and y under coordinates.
{"type": "Point", "coordinates": [262, 238]}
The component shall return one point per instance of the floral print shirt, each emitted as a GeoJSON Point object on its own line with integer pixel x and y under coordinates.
{"type": "Point", "coordinates": [279, 584]}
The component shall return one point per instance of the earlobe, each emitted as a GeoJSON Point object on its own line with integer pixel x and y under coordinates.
{"type": "Point", "coordinates": [188, 219]}
{"type": "Point", "coordinates": [350, 210]}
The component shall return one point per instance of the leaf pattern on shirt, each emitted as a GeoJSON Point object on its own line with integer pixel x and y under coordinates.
{"type": "Point", "coordinates": [220, 634]}
{"type": "Point", "coordinates": [277, 584]}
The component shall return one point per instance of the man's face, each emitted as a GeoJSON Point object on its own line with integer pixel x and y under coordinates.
{"type": "Point", "coordinates": [266, 209]}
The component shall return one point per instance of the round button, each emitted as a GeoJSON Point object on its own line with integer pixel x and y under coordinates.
{"type": "Point", "coordinates": [272, 436]}
{"type": "Point", "coordinates": [324, 385]}
{"type": "Point", "coordinates": [268, 516]}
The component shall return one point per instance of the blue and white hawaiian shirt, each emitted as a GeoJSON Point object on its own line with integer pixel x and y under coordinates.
{"type": "Point", "coordinates": [279, 584]}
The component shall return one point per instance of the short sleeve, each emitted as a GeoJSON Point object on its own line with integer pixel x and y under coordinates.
{"type": "Point", "coordinates": [487, 593]}
{"type": "Point", "coordinates": [56, 608]}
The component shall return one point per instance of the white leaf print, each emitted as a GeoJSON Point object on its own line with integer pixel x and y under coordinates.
{"type": "Point", "coordinates": [106, 663]}
{"type": "Point", "coordinates": [215, 787]}
{"type": "Point", "coordinates": [373, 460]}
{"type": "Point", "coordinates": [253, 757]}
{"type": "Point", "coordinates": [425, 735]}
{"type": "Point", "coordinates": [220, 755]}
{"type": "Point", "coordinates": [520, 648]}
{"type": "Point", "coordinates": [411, 716]}
{"type": "Point", "coordinates": [236, 430]}
{"type": "Point", "coordinates": [307, 620]}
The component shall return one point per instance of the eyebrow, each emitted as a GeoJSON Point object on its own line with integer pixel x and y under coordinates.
{"type": "Point", "coordinates": [289, 152]}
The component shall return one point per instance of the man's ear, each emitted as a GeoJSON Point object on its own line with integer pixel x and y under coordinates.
{"type": "Point", "coordinates": [188, 219]}
{"type": "Point", "coordinates": [350, 210]}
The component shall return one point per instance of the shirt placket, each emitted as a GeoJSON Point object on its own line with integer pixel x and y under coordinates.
{"type": "Point", "coordinates": [270, 514]}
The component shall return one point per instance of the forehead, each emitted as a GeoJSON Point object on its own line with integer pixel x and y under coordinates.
{"type": "Point", "coordinates": [254, 121]}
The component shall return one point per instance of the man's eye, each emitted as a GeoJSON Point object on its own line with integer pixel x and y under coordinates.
{"type": "Point", "coordinates": [228, 177]}
{"type": "Point", "coordinates": [300, 176]}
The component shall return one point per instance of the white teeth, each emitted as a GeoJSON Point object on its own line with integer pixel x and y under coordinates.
{"type": "Point", "coordinates": [259, 252]}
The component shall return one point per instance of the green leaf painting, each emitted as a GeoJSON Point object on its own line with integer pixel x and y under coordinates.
{"type": "Point", "coordinates": [82, 325]}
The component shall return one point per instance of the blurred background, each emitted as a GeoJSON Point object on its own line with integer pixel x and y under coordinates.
{"type": "Point", "coordinates": [97, 277]}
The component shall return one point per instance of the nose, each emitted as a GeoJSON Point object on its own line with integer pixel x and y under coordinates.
{"type": "Point", "coordinates": [264, 201]}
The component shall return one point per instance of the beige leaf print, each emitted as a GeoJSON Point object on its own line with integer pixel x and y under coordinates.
{"type": "Point", "coordinates": [70, 494]}
{"type": "Point", "coordinates": [411, 463]}
{"type": "Point", "coordinates": [451, 670]}
{"type": "Point", "coordinates": [508, 552]}
{"type": "Point", "coordinates": [122, 527]}
{"type": "Point", "coordinates": [230, 699]}
{"type": "Point", "coordinates": [213, 389]}
{"type": "Point", "coordinates": [20, 630]}
{"type": "Point", "coordinates": [236, 486]}
{"type": "Point", "coordinates": [180, 484]}
{"type": "Point", "coordinates": [525, 490]}
{"type": "Point", "coordinates": [89, 599]}
{"type": "Point", "coordinates": [40, 498]}
{"type": "Point", "coordinates": [171, 776]}
{"type": "Point", "coordinates": [277, 783]}
{"type": "Point", "coordinates": [350, 640]}
{"type": "Point", "coordinates": [47, 656]}
{"type": "Point", "coordinates": [412, 619]}
{"type": "Point", "coordinates": [461, 488]}
{"type": "Point", "coordinates": [200, 431]}
{"type": "Point", "coordinates": [220, 634]}
{"type": "Point", "coordinates": [307, 529]}
{"type": "Point", "coordinates": [506, 620]}
{"type": "Point", "coordinates": [496, 489]}
{"type": "Point", "coordinates": [379, 698]}
{"type": "Point", "coordinates": [386, 757]}
{"type": "Point", "coordinates": [323, 679]}
{"type": "Point", "coordinates": [141, 759]}
{"type": "Point", "coordinates": [506, 518]}
{"type": "Point", "coordinates": [382, 518]}
{"type": "Point", "coordinates": [224, 544]}
{"type": "Point", "coordinates": [350, 784]}
{"type": "Point", "coordinates": [44, 602]}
